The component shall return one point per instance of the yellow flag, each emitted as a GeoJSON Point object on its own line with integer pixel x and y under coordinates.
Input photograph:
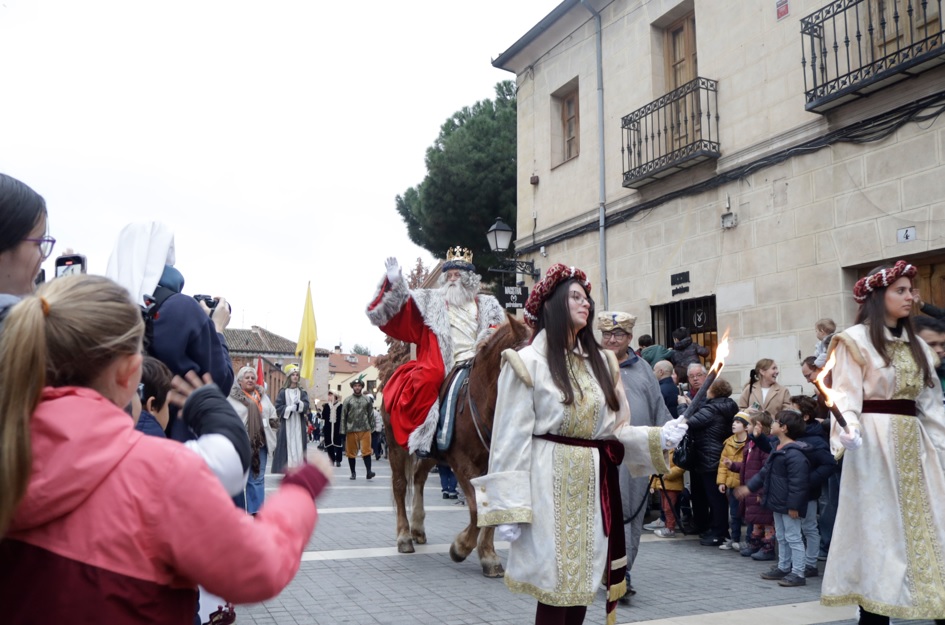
{"type": "Point", "coordinates": [307, 336]}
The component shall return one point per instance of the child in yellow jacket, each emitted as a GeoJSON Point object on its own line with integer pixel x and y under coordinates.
{"type": "Point", "coordinates": [669, 497]}
{"type": "Point", "coordinates": [733, 451]}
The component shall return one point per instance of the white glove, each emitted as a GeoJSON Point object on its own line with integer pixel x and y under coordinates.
{"type": "Point", "coordinates": [301, 407]}
{"type": "Point", "coordinates": [852, 440]}
{"type": "Point", "coordinates": [672, 432]}
{"type": "Point", "coordinates": [508, 532]}
{"type": "Point", "coordinates": [393, 269]}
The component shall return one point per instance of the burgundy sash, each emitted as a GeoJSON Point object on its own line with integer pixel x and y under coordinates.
{"type": "Point", "coordinates": [611, 455]}
{"type": "Point", "coordinates": [904, 407]}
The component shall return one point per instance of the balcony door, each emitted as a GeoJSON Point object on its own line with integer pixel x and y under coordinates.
{"type": "Point", "coordinates": [681, 68]}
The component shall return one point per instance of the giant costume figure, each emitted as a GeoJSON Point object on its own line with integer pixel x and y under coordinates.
{"type": "Point", "coordinates": [447, 324]}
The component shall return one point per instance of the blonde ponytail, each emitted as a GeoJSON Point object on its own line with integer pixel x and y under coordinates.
{"type": "Point", "coordinates": [22, 377]}
{"type": "Point", "coordinates": [65, 335]}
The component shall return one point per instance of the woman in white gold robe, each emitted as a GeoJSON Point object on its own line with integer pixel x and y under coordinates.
{"type": "Point", "coordinates": [545, 495]}
{"type": "Point", "coordinates": [888, 549]}
{"type": "Point", "coordinates": [291, 407]}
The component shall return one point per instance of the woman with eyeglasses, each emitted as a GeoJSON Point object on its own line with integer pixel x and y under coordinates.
{"type": "Point", "coordinates": [560, 432]}
{"type": "Point", "coordinates": [887, 552]}
{"type": "Point", "coordinates": [24, 243]}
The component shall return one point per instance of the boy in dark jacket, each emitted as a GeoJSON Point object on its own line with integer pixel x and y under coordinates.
{"type": "Point", "coordinates": [153, 390]}
{"type": "Point", "coordinates": [822, 467]}
{"type": "Point", "coordinates": [685, 352]}
{"type": "Point", "coordinates": [785, 478]}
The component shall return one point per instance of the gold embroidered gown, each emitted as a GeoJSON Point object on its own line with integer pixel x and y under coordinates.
{"type": "Point", "coordinates": [553, 489]}
{"type": "Point", "coordinates": [888, 547]}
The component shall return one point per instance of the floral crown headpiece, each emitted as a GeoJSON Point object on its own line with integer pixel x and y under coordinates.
{"type": "Point", "coordinates": [556, 275]}
{"type": "Point", "coordinates": [881, 279]}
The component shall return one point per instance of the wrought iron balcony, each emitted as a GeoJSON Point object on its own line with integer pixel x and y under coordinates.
{"type": "Point", "coordinates": [671, 133]}
{"type": "Point", "coordinates": [851, 48]}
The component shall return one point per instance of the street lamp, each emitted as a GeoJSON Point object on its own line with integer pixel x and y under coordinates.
{"type": "Point", "coordinates": [500, 239]}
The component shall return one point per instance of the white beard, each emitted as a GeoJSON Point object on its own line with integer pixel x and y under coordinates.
{"type": "Point", "coordinates": [456, 294]}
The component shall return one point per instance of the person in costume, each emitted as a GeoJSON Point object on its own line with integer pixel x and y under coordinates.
{"type": "Point", "coordinates": [887, 552]}
{"type": "Point", "coordinates": [357, 423]}
{"type": "Point", "coordinates": [291, 406]}
{"type": "Point", "coordinates": [560, 432]}
{"type": "Point", "coordinates": [447, 324]}
{"type": "Point", "coordinates": [331, 434]}
{"type": "Point", "coordinates": [256, 410]}
{"type": "Point", "coordinates": [646, 408]}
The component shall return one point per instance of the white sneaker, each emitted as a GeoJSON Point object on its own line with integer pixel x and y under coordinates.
{"type": "Point", "coordinates": [727, 545]}
{"type": "Point", "coordinates": [662, 532]}
{"type": "Point", "coordinates": [655, 525]}
{"type": "Point", "coordinates": [736, 546]}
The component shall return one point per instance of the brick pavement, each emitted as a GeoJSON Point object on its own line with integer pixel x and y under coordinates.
{"type": "Point", "coordinates": [361, 580]}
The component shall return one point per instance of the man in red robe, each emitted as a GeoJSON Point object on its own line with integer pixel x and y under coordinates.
{"type": "Point", "coordinates": [447, 324]}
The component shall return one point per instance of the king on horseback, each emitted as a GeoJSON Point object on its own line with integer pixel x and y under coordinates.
{"type": "Point", "coordinates": [447, 324]}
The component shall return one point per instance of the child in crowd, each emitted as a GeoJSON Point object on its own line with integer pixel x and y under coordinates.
{"type": "Point", "coordinates": [153, 390]}
{"type": "Point", "coordinates": [759, 535]}
{"type": "Point", "coordinates": [733, 450]}
{"type": "Point", "coordinates": [685, 351]}
{"type": "Point", "coordinates": [822, 467]}
{"type": "Point", "coordinates": [669, 499]}
{"type": "Point", "coordinates": [785, 478]}
{"type": "Point", "coordinates": [825, 328]}
{"type": "Point", "coordinates": [652, 352]}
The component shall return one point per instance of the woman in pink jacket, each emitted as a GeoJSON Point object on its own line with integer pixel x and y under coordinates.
{"type": "Point", "coordinates": [99, 523]}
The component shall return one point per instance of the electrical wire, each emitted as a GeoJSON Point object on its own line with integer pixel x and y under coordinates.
{"type": "Point", "coordinates": [870, 130]}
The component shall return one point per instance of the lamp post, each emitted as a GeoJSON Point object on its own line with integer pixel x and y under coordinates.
{"type": "Point", "coordinates": [500, 238]}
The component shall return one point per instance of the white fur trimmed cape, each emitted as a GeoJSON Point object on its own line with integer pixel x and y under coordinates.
{"type": "Point", "coordinates": [411, 396]}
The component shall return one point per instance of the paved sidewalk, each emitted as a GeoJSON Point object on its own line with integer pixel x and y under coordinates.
{"type": "Point", "coordinates": [351, 573]}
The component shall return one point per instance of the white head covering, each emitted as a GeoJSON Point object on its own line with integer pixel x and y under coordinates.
{"type": "Point", "coordinates": [139, 257]}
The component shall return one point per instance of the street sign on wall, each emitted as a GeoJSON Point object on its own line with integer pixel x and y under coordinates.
{"type": "Point", "coordinates": [512, 297]}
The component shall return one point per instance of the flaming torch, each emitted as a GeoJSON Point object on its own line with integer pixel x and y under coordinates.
{"type": "Point", "coordinates": [721, 353]}
{"type": "Point", "coordinates": [830, 396]}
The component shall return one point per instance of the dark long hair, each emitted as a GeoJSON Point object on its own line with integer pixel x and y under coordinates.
{"type": "Point", "coordinates": [872, 313]}
{"type": "Point", "coordinates": [21, 208]}
{"type": "Point", "coordinates": [555, 319]}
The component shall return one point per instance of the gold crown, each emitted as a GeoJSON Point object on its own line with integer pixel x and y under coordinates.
{"type": "Point", "coordinates": [459, 253]}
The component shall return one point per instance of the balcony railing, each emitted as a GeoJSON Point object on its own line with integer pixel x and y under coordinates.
{"type": "Point", "coordinates": [851, 48]}
{"type": "Point", "coordinates": [671, 133]}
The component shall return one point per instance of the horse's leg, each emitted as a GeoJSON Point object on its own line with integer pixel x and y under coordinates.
{"type": "Point", "coordinates": [488, 558]}
{"type": "Point", "coordinates": [399, 465]}
{"type": "Point", "coordinates": [466, 540]}
{"type": "Point", "coordinates": [418, 515]}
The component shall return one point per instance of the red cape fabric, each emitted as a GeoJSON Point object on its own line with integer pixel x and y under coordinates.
{"type": "Point", "coordinates": [415, 386]}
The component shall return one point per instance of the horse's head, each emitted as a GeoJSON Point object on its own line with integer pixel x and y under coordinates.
{"type": "Point", "coordinates": [514, 334]}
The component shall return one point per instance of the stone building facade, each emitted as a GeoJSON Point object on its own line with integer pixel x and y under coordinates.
{"type": "Point", "coordinates": [722, 164]}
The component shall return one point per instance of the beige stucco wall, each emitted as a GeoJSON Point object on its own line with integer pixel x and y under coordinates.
{"type": "Point", "coordinates": [803, 225]}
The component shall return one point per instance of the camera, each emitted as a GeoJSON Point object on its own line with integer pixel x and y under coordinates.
{"type": "Point", "coordinates": [210, 301]}
{"type": "Point", "coordinates": [683, 388]}
{"type": "Point", "coordinates": [70, 265]}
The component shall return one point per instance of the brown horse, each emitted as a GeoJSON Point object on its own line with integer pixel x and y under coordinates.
{"type": "Point", "coordinates": [468, 455]}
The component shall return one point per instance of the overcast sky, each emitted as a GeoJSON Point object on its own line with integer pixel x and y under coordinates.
{"type": "Point", "coordinates": [272, 136]}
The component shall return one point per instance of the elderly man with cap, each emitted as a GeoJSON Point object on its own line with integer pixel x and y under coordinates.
{"type": "Point", "coordinates": [447, 324]}
{"type": "Point", "coordinates": [357, 423]}
{"type": "Point", "coordinates": [647, 408]}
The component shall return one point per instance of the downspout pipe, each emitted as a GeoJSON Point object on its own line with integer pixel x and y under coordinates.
{"type": "Point", "coordinates": [602, 191]}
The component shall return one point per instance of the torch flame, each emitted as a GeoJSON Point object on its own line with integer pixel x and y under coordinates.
{"type": "Point", "coordinates": [721, 353]}
{"type": "Point", "coordinates": [830, 395]}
